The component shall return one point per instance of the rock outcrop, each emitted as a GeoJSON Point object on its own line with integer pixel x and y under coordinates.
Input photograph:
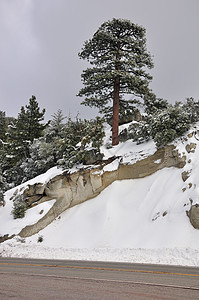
{"type": "Point", "coordinates": [193, 215]}
{"type": "Point", "coordinates": [6, 237]}
{"type": "Point", "coordinates": [72, 189]}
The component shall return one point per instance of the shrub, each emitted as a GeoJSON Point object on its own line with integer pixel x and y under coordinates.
{"type": "Point", "coordinates": [84, 139]}
{"type": "Point", "coordinates": [168, 124]}
{"type": "Point", "coordinates": [2, 202]}
{"type": "Point", "coordinates": [19, 207]}
{"type": "Point", "coordinates": [138, 132]}
{"type": "Point", "coordinates": [40, 239]}
{"type": "Point", "coordinates": [192, 108]}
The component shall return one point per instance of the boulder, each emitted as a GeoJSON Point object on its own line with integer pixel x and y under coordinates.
{"type": "Point", "coordinates": [185, 175]}
{"type": "Point", "coordinates": [35, 189]}
{"type": "Point", "coordinates": [193, 215]}
{"type": "Point", "coordinates": [190, 148]}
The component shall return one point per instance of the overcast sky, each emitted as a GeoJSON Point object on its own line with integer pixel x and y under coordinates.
{"type": "Point", "coordinates": [40, 41]}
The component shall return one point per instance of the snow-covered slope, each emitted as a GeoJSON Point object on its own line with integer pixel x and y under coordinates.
{"type": "Point", "coordinates": [141, 220]}
{"type": "Point", "coordinates": [129, 213]}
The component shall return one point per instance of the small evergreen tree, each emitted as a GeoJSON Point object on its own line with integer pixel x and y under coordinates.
{"type": "Point", "coordinates": [23, 131]}
{"type": "Point", "coordinates": [20, 135]}
{"type": "Point", "coordinates": [2, 125]}
{"type": "Point", "coordinates": [2, 188]}
{"type": "Point", "coordinates": [19, 207]}
{"type": "Point", "coordinates": [57, 125]}
{"type": "Point", "coordinates": [29, 121]}
{"type": "Point", "coordinates": [1, 197]}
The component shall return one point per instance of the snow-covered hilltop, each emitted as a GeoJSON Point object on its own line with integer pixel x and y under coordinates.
{"type": "Point", "coordinates": [126, 219]}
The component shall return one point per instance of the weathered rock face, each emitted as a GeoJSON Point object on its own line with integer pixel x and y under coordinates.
{"type": "Point", "coordinates": [193, 215]}
{"type": "Point", "coordinates": [72, 189]}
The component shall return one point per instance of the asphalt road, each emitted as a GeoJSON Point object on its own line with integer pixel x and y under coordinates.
{"type": "Point", "coordinates": [62, 279]}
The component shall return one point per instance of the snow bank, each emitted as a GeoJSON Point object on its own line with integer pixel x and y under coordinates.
{"type": "Point", "coordinates": [170, 256]}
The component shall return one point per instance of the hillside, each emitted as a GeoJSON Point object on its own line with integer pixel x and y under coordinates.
{"type": "Point", "coordinates": [138, 220]}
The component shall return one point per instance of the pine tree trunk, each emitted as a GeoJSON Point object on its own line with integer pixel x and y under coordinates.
{"type": "Point", "coordinates": [116, 99]}
{"type": "Point", "coordinates": [115, 125]}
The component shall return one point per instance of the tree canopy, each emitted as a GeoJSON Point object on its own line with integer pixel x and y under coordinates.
{"type": "Point", "coordinates": [118, 55]}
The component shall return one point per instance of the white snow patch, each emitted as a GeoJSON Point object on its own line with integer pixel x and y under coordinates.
{"type": "Point", "coordinates": [112, 166]}
{"type": "Point", "coordinates": [129, 150]}
{"type": "Point", "coordinates": [158, 161]}
{"type": "Point", "coordinates": [8, 225]}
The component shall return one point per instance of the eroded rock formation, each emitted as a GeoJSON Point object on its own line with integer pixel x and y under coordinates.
{"type": "Point", "coordinates": [72, 189]}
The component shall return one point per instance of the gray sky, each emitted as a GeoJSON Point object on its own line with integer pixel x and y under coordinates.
{"type": "Point", "coordinates": [40, 40]}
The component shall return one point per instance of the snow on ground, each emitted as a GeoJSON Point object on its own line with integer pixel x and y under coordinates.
{"type": "Point", "coordinates": [142, 220]}
{"type": "Point", "coordinates": [43, 178]}
{"type": "Point", "coordinates": [10, 226]}
{"type": "Point", "coordinates": [130, 151]}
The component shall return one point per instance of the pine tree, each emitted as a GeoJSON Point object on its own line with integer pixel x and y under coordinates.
{"type": "Point", "coordinates": [29, 121]}
{"type": "Point", "coordinates": [20, 136]}
{"type": "Point", "coordinates": [28, 127]}
{"type": "Point", "coordinates": [2, 188]}
{"type": "Point", "coordinates": [119, 57]}
{"type": "Point", "coordinates": [12, 149]}
{"type": "Point", "coordinates": [56, 124]}
{"type": "Point", "coordinates": [2, 125]}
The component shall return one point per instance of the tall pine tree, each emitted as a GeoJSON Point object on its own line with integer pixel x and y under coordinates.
{"type": "Point", "coordinates": [117, 52]}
